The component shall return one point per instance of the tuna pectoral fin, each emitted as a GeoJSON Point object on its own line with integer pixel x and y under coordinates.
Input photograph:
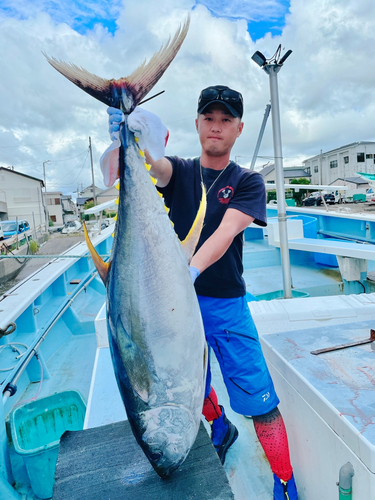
{"type": "Point", "coordinates": [134, 362]}
{"type": "Point", "coordinates": [101, 266]}
{"type": "Point", "coordinates": [191, 240]}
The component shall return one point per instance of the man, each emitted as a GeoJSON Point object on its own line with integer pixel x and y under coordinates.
{"type": "Point", "coordinates": [235, 198]}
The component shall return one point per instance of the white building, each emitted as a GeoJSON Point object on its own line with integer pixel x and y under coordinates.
{"type": "Point", "coordinates": [342, 163]}
{"type": "Point", "coordinates": [61, 208]}
{"type": "Point", "coordinates": [21, 196]}
{"type": "Point", "coordinates": [54, 207]}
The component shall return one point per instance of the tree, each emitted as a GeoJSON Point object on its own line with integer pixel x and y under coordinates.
{"type": "Point", "coordinates": [88, 204]}
{"type": "Point", "coordinates": [301, 194]}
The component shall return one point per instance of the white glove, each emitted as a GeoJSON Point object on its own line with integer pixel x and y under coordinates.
{"type": "Point", "coordinates": [116, 116]}
{"type": "Point", "coordinates": [150, 131]}
{"type": "Point", "coordinates": [147, 127]}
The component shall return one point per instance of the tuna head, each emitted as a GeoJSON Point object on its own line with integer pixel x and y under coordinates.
{"type": "Point", "coordinates": [169, 434]}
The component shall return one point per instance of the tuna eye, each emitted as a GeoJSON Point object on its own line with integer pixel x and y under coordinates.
{"type": "Point", "coordinates": [155, 456]}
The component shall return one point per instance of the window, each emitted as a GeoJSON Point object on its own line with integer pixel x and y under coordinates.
{"type": "Point", "coordinates": [369, 156]}
{"type": "Point", "coordinates": [346, 159]}
{"type": "Point", "coordinates": [360, 157]}
{"type": "Point", "coordinates": [333, 164]}
{"type": "Point", "coordinates": [316, 169]}
{"type": "Point", "coordinates": [52, 218]}
{"type": "Point", "coordinates": [57, 201]}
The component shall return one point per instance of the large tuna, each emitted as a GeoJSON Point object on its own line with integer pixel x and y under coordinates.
{"type": "Point", "coordinates": [155, 328]}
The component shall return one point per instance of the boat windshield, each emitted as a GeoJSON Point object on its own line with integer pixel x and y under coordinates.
{"type": "Point", "coordinates": [8, 226]}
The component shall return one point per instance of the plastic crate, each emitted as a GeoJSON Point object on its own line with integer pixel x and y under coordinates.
{"type": "Point", "coordinates": [36, 429]}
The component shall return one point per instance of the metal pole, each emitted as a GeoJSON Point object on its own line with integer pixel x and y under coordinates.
{"type": "Point", "coordinates": [45, 194]}
{"type": "Point", "coordinates": [92, 173]}
{"type": "Point", "coordinates": [321, 168]}
{"type": "Point", "coordinates": [34, 226]}
{"type": "Point", "coordinates": [17, 232]}
{"type": "Point", "coordinates": [261, 132]}
{"type": "Point", "coordinates": [272, 70]}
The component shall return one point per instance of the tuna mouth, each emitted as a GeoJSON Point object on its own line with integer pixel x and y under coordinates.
{"type": "Point", "coordinates": [165, 472]}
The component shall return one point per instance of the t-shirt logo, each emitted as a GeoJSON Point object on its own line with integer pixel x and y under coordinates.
{"type": "Point", "coordinates": [225, 194]}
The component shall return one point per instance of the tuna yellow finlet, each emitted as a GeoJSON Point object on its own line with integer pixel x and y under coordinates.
{"type": "Point", "coordinates": [117, 201]}
{"type": "Point", "coordinates": [136, 139]}
{"type": "Point", "coordinates": [148, 167]}
{"type": "Point", "coordinates": [153, 180]}
{"type": "Point", "coordinates": [191, 240]}
{"type": "Point", "coordinates": [141, 153]}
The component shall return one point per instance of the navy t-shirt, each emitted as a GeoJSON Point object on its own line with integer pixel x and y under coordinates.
{"type": "Point", "coordinates": [236, 187]}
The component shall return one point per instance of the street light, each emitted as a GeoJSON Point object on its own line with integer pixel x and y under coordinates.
{"type": "Point", "coordinates": [45, 193]}
{"type": "Point", "coordinates": [272, 66]}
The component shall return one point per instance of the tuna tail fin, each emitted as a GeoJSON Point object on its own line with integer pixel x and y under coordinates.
{"type": "Point", "coordinates": [101, 266]}
{"type": "Point", "coordinates": [191, 240]}
{"type": "Point", "coordinates": [127, 92]}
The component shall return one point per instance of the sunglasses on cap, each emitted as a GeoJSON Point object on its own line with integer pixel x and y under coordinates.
{"type": "Point", "coordinates": [230, 98]}
{"type": "Point", "coordinates": [226, 95]}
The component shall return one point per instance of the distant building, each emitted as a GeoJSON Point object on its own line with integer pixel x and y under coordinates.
{"type": "Point", "coordinates": [352, 183]}
{"type": "Point", "coordinates": [69, 208]}
{"type": "Point", "coordinates": [108, 195]}
{"type": "Point", "coordinates": [269, 174]}
{"type": "Point", "coordinates": [89, 192]}
{"type": "Point", "coordinates": [21, 196]}
{"type": "Point", "coordinates": [342, 163]}
{"type": "Point", "coordinates": [54, 207]}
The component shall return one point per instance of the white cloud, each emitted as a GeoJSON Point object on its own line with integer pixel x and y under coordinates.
{"type": "Point", "coordinates": [326, 86]}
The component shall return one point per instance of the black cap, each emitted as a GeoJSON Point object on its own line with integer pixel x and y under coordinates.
{"type": "Point", "coordinates": [231, 99]}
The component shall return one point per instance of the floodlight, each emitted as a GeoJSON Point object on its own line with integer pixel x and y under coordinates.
{"type": "Point", "coordinates": [285, 57]}
{"type": "Point", "coordinates": [259, 58]}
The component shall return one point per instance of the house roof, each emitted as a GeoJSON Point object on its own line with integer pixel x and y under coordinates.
{"type": "Point", "coordinates": [354, 180]}
{"type": "Point", "coordinates": [289, 172]}
{"type": "Point", "coordinates": [82, 201]}
{"type": "Point", "coordinates": [23, 175]}
{"type": "Point", "coordinates": [266, 170]}
{"type": "Point", "coordinates": [296, 173]}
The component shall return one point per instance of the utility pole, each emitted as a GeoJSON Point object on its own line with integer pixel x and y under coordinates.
{"type": "Point", "coordinates": [272, 67]}
{"type": "Point", "coordinates": [45, 193]}
{"type": "Point", "coordinates": [92, 173]}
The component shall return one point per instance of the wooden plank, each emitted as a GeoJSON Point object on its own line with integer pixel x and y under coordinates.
{"type": "Point", "coordinates": [106, 463]}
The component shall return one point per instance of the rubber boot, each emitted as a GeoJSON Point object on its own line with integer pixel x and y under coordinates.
{"type": "Point", "coordinates": [224, 434]}
{"type": "Point", "coordinates": [284, 490]}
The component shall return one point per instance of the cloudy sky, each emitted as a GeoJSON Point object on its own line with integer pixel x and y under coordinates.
{"type": "Point", "coordinates": [327, 85]}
